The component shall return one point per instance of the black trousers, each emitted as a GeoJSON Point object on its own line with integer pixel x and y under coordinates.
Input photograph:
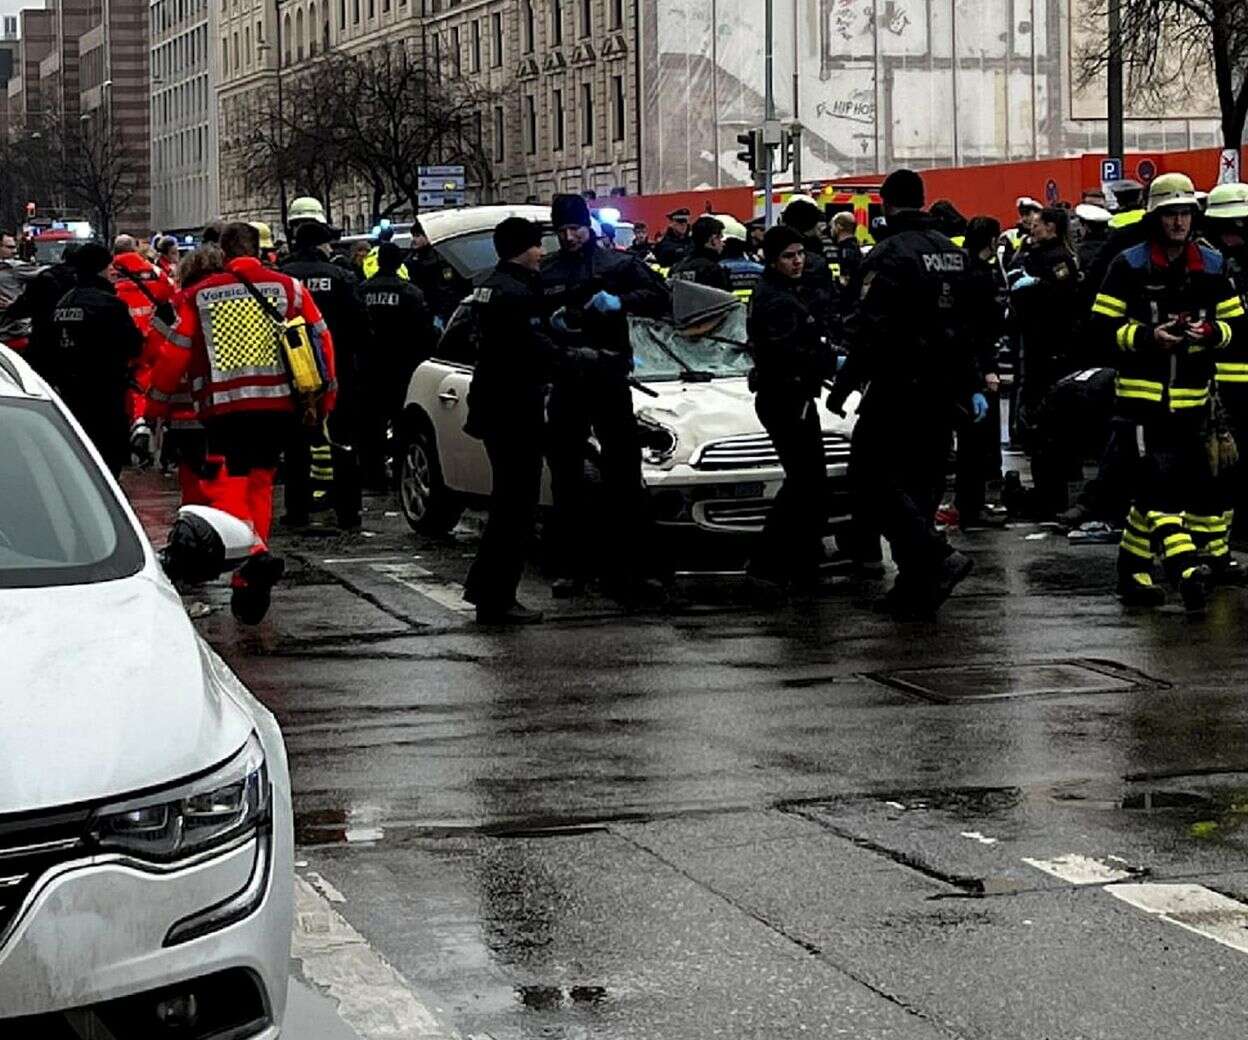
{"type": "Point", "coordinates": [792, 541]}
{"type": "Point", "coordinates": [978, 459]}
{"type": "Point", "coordinates": [616, 542]}
{"type": "Point", "coordinates": [516, 467]}
{"type": "Point", "coordinates": [297, 472]}
{"type": "Point", "coordinates": [896, 474]}
{"type": "Point", "coordinates": [1108, 495]}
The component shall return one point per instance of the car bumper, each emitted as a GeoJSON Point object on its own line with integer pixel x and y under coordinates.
{"type": "Point", "coordinates": [729, 501]}
{"type": "Point", "coordinates": [91, 942]}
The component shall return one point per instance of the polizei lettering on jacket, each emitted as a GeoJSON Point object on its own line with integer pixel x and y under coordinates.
{"type": "Point", "coordinates": [945, 263]}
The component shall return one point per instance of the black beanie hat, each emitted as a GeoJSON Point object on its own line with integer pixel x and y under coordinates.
{"type": "Point", "coordinates": [802, 215]}
{"type": "Point", "coordinates": [777, 240]}
{"type": "Point", "coordinates": [903, 189]}
{"type": "Point", "coordinates": [566, 210]}
{"type": "Point", "coordinates": [389, 257]}
{"type": "Point", "coordinates": [311, 234]}
{"type": "Point", "coordinates": [91, 258]}
{"type": "Point", "coordinates": [515, 235]}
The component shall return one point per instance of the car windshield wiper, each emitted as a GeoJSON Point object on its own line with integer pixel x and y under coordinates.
{"type": "Point", "coordinates": [695, 375]}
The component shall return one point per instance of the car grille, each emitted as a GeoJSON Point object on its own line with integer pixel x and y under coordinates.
{"type": "Point", "coordinates": [756, 450]}
{"type": "Point", "coordinates": [745, 516]}
{"type": "Point", "coordinates": [30, 846]}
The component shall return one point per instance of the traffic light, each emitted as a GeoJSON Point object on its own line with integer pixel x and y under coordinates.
{"type": "Point", "coordinates": [784, 152]}
{"type": "Point", "coordinates": [752, 152]}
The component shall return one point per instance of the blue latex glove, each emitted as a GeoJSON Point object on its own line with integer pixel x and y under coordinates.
{"type": "Point", "coordinates": [979, 407]}
{"type": "Point", "coordinates": [439, 325]}
{"type": "Point", "coordinates": [1026, 282]}
{"type": "Point", "coordinates": [840, 361]}
{"type": "Point", "coordinates": [604, 302]}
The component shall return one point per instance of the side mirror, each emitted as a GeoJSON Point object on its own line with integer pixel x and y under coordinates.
{"type": "Point", "coordinates": [205, 542]}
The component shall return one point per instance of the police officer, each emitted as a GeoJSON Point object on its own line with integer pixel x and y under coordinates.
{"type": "Point", "coordinates": [96, 345]}
{"type": "Point", "coordinates": [846, 261]}
{"type": "Point", "coordinates": [334, 291]}
{"type": "Point", "coordinates": [676, 244]}
{"type": "Point", "coordinates": [442, 285]}
{"type": "Point", "coordinates": [909, 345]}
{"type": "Point", "coordinates": [743, 271]}
{"type": "Point", "coordinates": [1169, 311]}
{"type": "Point", "coordinates": [703, 264]}
{"type": "Point", "coordinates": [1126, 229]}
{"type": "Point", "coordinates": [1013, 240]}
{"type": "Point", "coordinates": [791, 362]}
{"type": "Point", "coordinates": [403, 337]}
{"type": "Point", "coordinates": [506, 409]}
{"type": "Point", "coordinates": [822, 290]}
{"type": "Point", "coordinates": [37, 303]}
{"type": "Point", "coordinates": [590, 294]}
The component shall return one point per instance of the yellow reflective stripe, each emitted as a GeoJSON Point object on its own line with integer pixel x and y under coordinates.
{"type": "Point", "coordinates": [1183, 402]}
{"type": "Point", "coordinates": [1110, 306]}
{"type": "Point", "coordinates": [1144, 553]}
{"type": "Point", "coordinates": [1138, 384]}
{"type": "Point", "coordinates": [1189, 391]}
{"type": "Point", "coordinates": [1131, 538]}
{"type": "Point", "coordinates": [1233, 377]}
{"type": "Point", "coordinates": [1157, 519]}
{"type": "Point", "coordinates": [1232, 308]}
{"type": "Point", "coordinates": [1233, 366]}
{"type": "Point", "coordinates": [1181, 538]}
{"type": "Point", "coordinates": [1136, 519]}
{"type": "Point", "coordinates": [1227, 332]}
{"type": "Point", "coordinates": [1127, 334]}
{"type": "Point", "coordinates": [1206, 524]}
{"type": "Point", "coordinates": [1179, 550]}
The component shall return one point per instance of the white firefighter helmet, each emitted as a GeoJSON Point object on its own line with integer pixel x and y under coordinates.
{"type": "Point", "coordinates": [1090, 213]}
{"type": "Point", "coordinates": [733, 228]}
{"type": "Point", "coordinates": [1172, 189]}
{"type": "Point", "coordinates": [306, 208]}
{"type": "Point", "coordinates": [1228, 202]}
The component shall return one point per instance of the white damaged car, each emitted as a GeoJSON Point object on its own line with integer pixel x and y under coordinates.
{"type": "Point", "coordinates": [706, 459]}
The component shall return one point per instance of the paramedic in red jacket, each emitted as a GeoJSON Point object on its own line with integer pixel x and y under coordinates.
{"type": "Point", "coordinates": [226, 343]}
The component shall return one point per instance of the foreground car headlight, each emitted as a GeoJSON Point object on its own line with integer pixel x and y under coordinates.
{"type": "Point", "coordinates": [219, 809]}
{"type": "Point", "coordinates": [658, 440]}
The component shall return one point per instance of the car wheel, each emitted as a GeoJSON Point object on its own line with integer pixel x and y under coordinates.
{"type": "Point", "coordinates": [428, 505]}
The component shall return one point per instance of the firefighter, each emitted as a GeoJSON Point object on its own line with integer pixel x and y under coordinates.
{"type": "Point", "coordinates": [1169, 311]}
{"type": "Point", "coordinates": [403, 336]}
{"type": "Point", "coordinates": [303, 210]}
{"type": "Point", "coordinates": [590, 295]}
{"type": "Point", "coordinates": [1226, 224]}
{"type": "Point", "coordinates": [791, 362]}
{"type": "Point", "coordinates": [1126, 229]}
{"type": "Point", "coordinates": [334, 291]}
{"type": "Point", "coordinates": [226, 340]}
{"type": "Point", "coordinates": [97, 343]}
{"type": "Point", "coordinates": [269, 254]}
{"type": "Point", "coordinates": [676, 244]}
{"type": "Point", "coordinates": [703, 264]}
{"type": "Point", "coordinates": [911, 345]}
{"type": "Point", "coordinates": [506, 405]}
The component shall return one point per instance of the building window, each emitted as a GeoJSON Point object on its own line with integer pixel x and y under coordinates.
{"type": "Point", "coordinates": [587, 114]}
{"type": "Point", "coordinates": [530, 124]}
{"type": "Point", "coordinates": [385, 5]}
{"type": "Point", "coordinates": [617, 108]}
{"type": "Point", "coordinates": [286, 40]}
{"type": "Point", "coordinates": [530, 27]}
{"type": "Point", "coordinates": [355, 12]}
{"type": "Point", "coordinates": [496, 42]}
{"type": "Point", "coordinates": [617, 14]}
{"type": "Point", "coordinates": [500, 126]}
{"type": "Point", "coordinates": [456, 55]}
{"type": "Point", "coordinates": [437, 56]}
{"type": "Point", "coordinates": [312, 33]}
{"type": "Point", "coordinates": [372, 9]}
{"type": "Point", "coordinates": [556, 22]}
{"type": "Point", "coordinates": [234, 52]}
{"type": "Point", "coordinates": [474, 62]}
{"type": "Point", "coordinates": [556, 120]}
{"type": "Point", "coordinates": [247, 43]}
{"type": "Point", "coordinates": [299, 35]}
{"type": "Point", "coordinates": [342, 14]}
{"type": "Point", "coordinates": [587, 18]}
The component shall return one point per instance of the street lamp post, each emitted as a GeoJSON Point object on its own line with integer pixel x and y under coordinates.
{"type": "Point", "coordinates": [1113, 78]}
{"type": "Point", "coordinates": [279, 132]}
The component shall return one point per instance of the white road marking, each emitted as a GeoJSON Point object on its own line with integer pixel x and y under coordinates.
{"type": "Point", "coordinates": [369, 559]}
{"type": "Point", "coordinates": [413, 576]}
{"type": "Point", "coordinates": [1194, 907]}
{"type": "Point", "coordinates": [372, 997]}
{"type": "Point", "coordinates": [983, 839]}
{"type": "Point", "coordinates": [1079, 870]}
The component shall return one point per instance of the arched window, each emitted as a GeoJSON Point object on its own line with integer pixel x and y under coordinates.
{"type": "Point", "coordinates": [286, 40]}
{"type": "Point", "coordinates": [312, 34]}
{"type": "Point", "coordinates": [299, 35]}
{"type": "Point", "coordinates": [247, 41]}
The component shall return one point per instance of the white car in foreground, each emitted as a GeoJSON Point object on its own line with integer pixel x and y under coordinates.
{"type": "Point", "coordinates": [706, 459]}
{"type": "Point", "coordinates": [146, 865]}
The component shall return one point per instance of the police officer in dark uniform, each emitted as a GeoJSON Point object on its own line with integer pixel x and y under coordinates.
{"type": "Point", "coordinates": [442, 285]}
{"type": "Point", "coordinates": [676, 244]}
{"type": "Point", "coordinates": [743, 272]}
{"type": "Point", "coordinates": [335, 293]}
{"type": "Point", "coordinates": [846, 260]}
{"type": "Point", "coordinates": [791, 361]}
{"type": "Point", "coordinates": [506, 409]}
{"type": "Point", "coordinates": [590, 293]}
{"type": "Point", "coordinates": [822, 291]}
{"type": "Point", "coordinates": [403, 337]}
{"type": "Point", "coordinates": [703, 264]}
{"type": "Point", "coordinates": [37, 302]}
{"type": "Point", "coordinates": [97, 343]}
{"type": "Point", "coordinates": [910, 346]}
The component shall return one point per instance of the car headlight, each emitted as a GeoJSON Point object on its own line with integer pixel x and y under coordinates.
{"type": "Point", "coordinates": [228, 804]}
{"type": "Point", "coordinates": [658, 440]}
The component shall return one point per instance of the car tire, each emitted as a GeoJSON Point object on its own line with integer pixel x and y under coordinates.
{"type": "Point", "coordinates": [428, 505]}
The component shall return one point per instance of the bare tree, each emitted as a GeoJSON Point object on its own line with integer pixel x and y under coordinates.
{"type": "Point", "coordinates": [1168, 48]}
{"type": "Point", "coordinates": [100, 171]}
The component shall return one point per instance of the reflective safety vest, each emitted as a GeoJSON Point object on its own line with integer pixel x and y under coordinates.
{"type": "Point", "coordinates": [744, 275]}
{"type": "Point", "coordinates": [372, 265]}
{"type": "Point", "coordinates": [1125, 219]}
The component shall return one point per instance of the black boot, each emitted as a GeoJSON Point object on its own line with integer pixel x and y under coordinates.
{"type": "Point", "coordinates": [1137, 590]}
{"type": "Point", "coordinates": [252, 586]}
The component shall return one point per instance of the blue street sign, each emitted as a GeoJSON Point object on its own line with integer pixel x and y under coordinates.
{"type": "Point", "coordinates": [1111, 170]}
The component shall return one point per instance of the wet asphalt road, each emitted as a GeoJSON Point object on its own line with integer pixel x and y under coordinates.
{"type": "Point", "coordinates": [746, 819]}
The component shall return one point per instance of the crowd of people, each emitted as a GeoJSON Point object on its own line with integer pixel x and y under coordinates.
{"type": "Point", "coordinates": [1115, 334]}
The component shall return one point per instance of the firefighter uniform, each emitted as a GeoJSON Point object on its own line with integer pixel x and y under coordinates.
{"type": "Point", "coordinates": [1166, 394]}
{"type": "Point", "coordinates": [911, 345]}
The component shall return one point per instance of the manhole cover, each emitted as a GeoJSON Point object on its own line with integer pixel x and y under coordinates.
{"type": "Point", "coordinates": [958, 684]}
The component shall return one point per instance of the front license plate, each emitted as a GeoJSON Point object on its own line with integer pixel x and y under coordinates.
{"type": "Point", "coordinates": [753, 489]}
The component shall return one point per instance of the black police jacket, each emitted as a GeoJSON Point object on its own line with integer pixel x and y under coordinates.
{"type": "Point", "coordinates": [97, 342]}
{"type": "Point", "coordinates": [570, 280]}
{"type": "Point", "coordinates": [823, 291]}
{"type": "Point", "coordinates": [986, 307]}
{"type": "Point", "coordinates": [786, 339]}
{"type": "Point", "coordinates": [442, 285]}
{"type": "Point", "coordinates": [1047, 316]}
{"type": "Point", "coordinates": [704, 268]}
{"type": "Point", "coordinates": [911, 336]}
{"type": "Point", "coordinates": [516, 358]}
{"type": "Point", "coordinates": [37, 302]}
{"type": "Point", "coordinates": [403, 331]}
{"type": "Point", "coordinates": [846, 264]}
{"type": "Point", "coordinates": [334, 290]}
{"type": "Point", "coordinates": [671, 249]}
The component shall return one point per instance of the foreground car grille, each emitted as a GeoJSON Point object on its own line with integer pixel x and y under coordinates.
{"type": "Point", "coordinates": [30, 846]}
{"type": "Point", "coordinates": [756, 450]}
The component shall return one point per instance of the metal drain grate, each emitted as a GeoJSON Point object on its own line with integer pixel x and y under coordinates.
{"type": "Point", "coordinates": [962, 684]}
